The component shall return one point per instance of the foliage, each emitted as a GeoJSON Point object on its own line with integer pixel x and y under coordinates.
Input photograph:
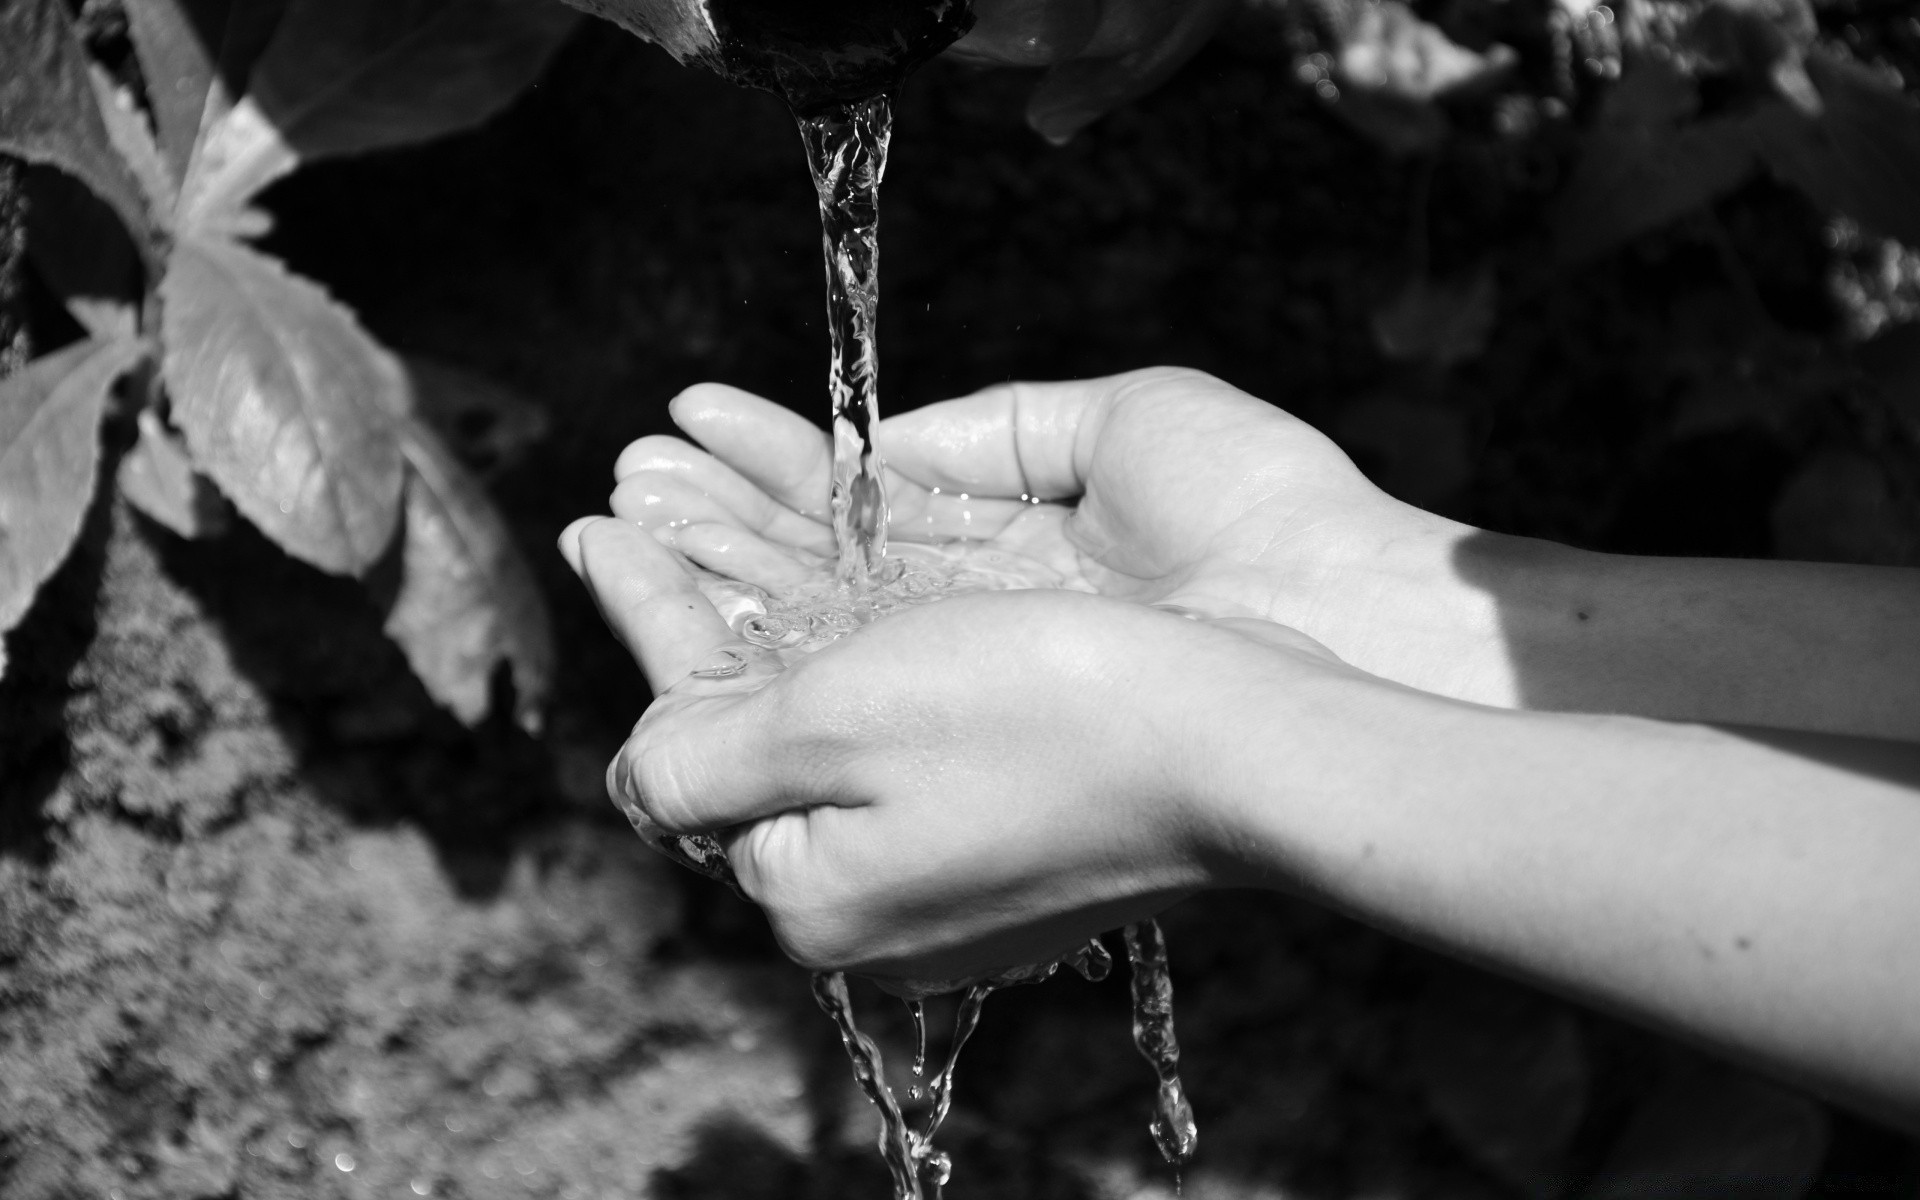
{"type": "Point", "coordinates": [243, 380]}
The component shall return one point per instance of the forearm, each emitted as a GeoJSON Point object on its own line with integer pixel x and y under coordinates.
{"type": "Point", "coordinates": [1516, 622]}
{"type": "Point", "coordinates": [1699, 880]}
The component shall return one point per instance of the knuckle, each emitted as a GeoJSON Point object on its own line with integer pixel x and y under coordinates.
{"type": "Point", "coordinates": [654, 773]}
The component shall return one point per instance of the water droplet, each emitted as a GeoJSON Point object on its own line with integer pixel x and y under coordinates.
{"type": "Point", "coordinates": [455, 1124]}
{"type": "Point", "coordinates": [296, 1139]}
{"type": "Point", "coordinates": [344, 1161]}
{"type": "Point", "coordinates": [421, 1187]}
{"type": "Point", "coordinates": [1326, 90]}
{"type": "Point", "coordinates": [262, 1070]}
{"type": "Point", "coordinates": [286, 506]}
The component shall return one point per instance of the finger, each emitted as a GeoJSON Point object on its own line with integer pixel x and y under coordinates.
{"type": "Point", "coordinates": [741, 554]}
{"type": "Point", "coordinates": [786, 455]}
{"type": "Point", "coordinates": [1077, 93]}
{"type": "Point", "coordinates": [1009, 441]}
{"type": "Point", "coordinates": [653, 499]}
{"type": "Point", "coordinates": [648, 599]}
{"type": "Point", "coordinates": [671, 456]}
{"type": "Point", "coordinates": [1027, 33]}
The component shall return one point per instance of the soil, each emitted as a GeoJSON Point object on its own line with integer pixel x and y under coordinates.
{"type": "Point", "coordinates": [272, 925]}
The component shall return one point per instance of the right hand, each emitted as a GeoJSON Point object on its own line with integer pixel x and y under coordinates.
{"type": "Point", "coordinates": [1103, 53]}
{"type": "Point", "coordinates": [1189, 493]}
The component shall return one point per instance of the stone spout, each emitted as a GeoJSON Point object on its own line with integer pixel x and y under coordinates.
{"type": "Point", "coordinates": [814, 53]}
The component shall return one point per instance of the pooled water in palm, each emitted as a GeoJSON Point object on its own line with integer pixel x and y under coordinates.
{"type": "Point", "coordinates": [847, 152]}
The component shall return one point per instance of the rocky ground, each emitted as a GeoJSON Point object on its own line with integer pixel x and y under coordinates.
{"type": "Point", "coordinates": [271, 925]}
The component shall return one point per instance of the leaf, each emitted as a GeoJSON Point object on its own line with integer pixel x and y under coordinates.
{"type": "Point", "coordinates": [179, 47]}
{"type": "Point", "coordinates": [49, 455]}
{"type": "Point", "coordinates": [468, 602]}
{"type": "Point", "coordinates": [488, 426]}
{"type": "Point", "coordinates": [1505, 1072]}
{"type": "Point", "coordinates": [157, 477]}
{"type": "Point", "coordinates": [285, 402]}
{"type": "Point", "coordinates": [1389, 49]}
{"type": "Point", "coordinates": [132, 138]}
{"type": "Point", "coordinates": [350, 76]}
{"type": "Point", "coordinates": [47, 109]}
{"type": "Point", "coordinates": [81, 250]}
{"type": "Point", "coordinates": [1860, 156]}
{"type": "Point", "coordinates": [1715, 1133]}
{"type": "Point", "coordinates": [1443, 322]}
{"type": "Point", "coordinates": [1642, 167]}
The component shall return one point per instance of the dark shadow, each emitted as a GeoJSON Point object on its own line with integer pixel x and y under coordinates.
{"type": "Point", "coordinates": [42, 653]}
{"type": "Point", "coordinates": [371, 741]}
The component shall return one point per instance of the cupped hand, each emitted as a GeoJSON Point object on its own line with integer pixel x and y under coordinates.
{"type": "Point", "coordinates": [1103, 53]}
{"type": "Point", "coordinates": [1162, 486]}
{"type": "Point", "coordinates": [956, 789]}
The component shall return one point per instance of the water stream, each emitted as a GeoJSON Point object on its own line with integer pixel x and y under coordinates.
{"type": "Point", "coordinates": [846, 149]}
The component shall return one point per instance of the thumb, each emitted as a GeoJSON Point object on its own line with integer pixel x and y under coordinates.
{"type": "Point", "coordinates": [1078, 92]}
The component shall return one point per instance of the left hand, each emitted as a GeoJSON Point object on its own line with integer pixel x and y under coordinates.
{"type": "Point", "coordinates": [962, 787]}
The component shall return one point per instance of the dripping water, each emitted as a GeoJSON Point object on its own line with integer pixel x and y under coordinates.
{"type": "Point", "coordinates": [1173, 1127]}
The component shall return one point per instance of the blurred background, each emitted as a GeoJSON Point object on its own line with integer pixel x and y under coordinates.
{"type": "Point", "coordinates": [275, 922]}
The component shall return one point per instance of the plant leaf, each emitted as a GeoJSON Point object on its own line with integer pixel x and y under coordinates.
{"type": "Point", "coordinates": [1643, 167]}
{"type": "Point", "coordinates": [179, 46]}
{"type": "Point", "coordinates": [47, 109]}
{"type": "Point", "coordinates": [285, 402]}
{"type": "Point", "coordinates": [157, 477]}
{"type": "Point", "coordinates": [1860, 156]}
{"type": "Point", "coordinates": [350, 76]}
{"type": "Point", "coordinates": [81, 250]}
{"type": "Point", "coordinates": [487, 425]}
{"type": "Point", "coordinates": [132, 138]}
{"type": "Point", "coordinates": [468, 602]}
{"type": "Point", "coordinates": [49, 455]}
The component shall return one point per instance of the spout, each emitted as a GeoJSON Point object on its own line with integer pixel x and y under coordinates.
{"type": "Point", "coordinates": [812, 54]}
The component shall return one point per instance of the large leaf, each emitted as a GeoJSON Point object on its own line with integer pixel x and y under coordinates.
{"type": "Point", "coordinates": [47, 109]}
{"type": "Point", "coordinates": [1860, 156]}
{"type": "Point", "coordinates": [468, 602]}
{"type": "Point", "coordinates": [49, 456]}
{"type": "Point", "coordinates": [81, 250]}
{"type": "Point", "coordinates": [1644, 163]}
{"type": "Point", "coordinates": [179, 45]}
{"type": "Point", "coordinates": [350, 76]}
{"type": "Point", "coordinates": [285, 402]}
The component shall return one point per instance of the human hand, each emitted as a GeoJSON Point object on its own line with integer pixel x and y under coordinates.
{"type": "Point", "coordinates": [1103, 53]}
{"type": "Point", "coordinates": [1189, 492]}
{"type": "Point", "coordinates": [977, 783]}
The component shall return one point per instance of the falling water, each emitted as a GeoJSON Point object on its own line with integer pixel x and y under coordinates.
{"type": "Point", "coordinates": [847, 154]}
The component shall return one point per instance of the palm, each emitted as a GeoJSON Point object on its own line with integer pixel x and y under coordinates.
{"type": "Point", "coordinates": [1191, 493]}
{"type": "Point", "coordinates": [1174, 488]}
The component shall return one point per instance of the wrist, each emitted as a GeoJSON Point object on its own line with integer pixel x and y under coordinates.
{"type": "Point", "coordinates": [1298, 761]}
{"type": "Point", "coordinates": [1412, 598]}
